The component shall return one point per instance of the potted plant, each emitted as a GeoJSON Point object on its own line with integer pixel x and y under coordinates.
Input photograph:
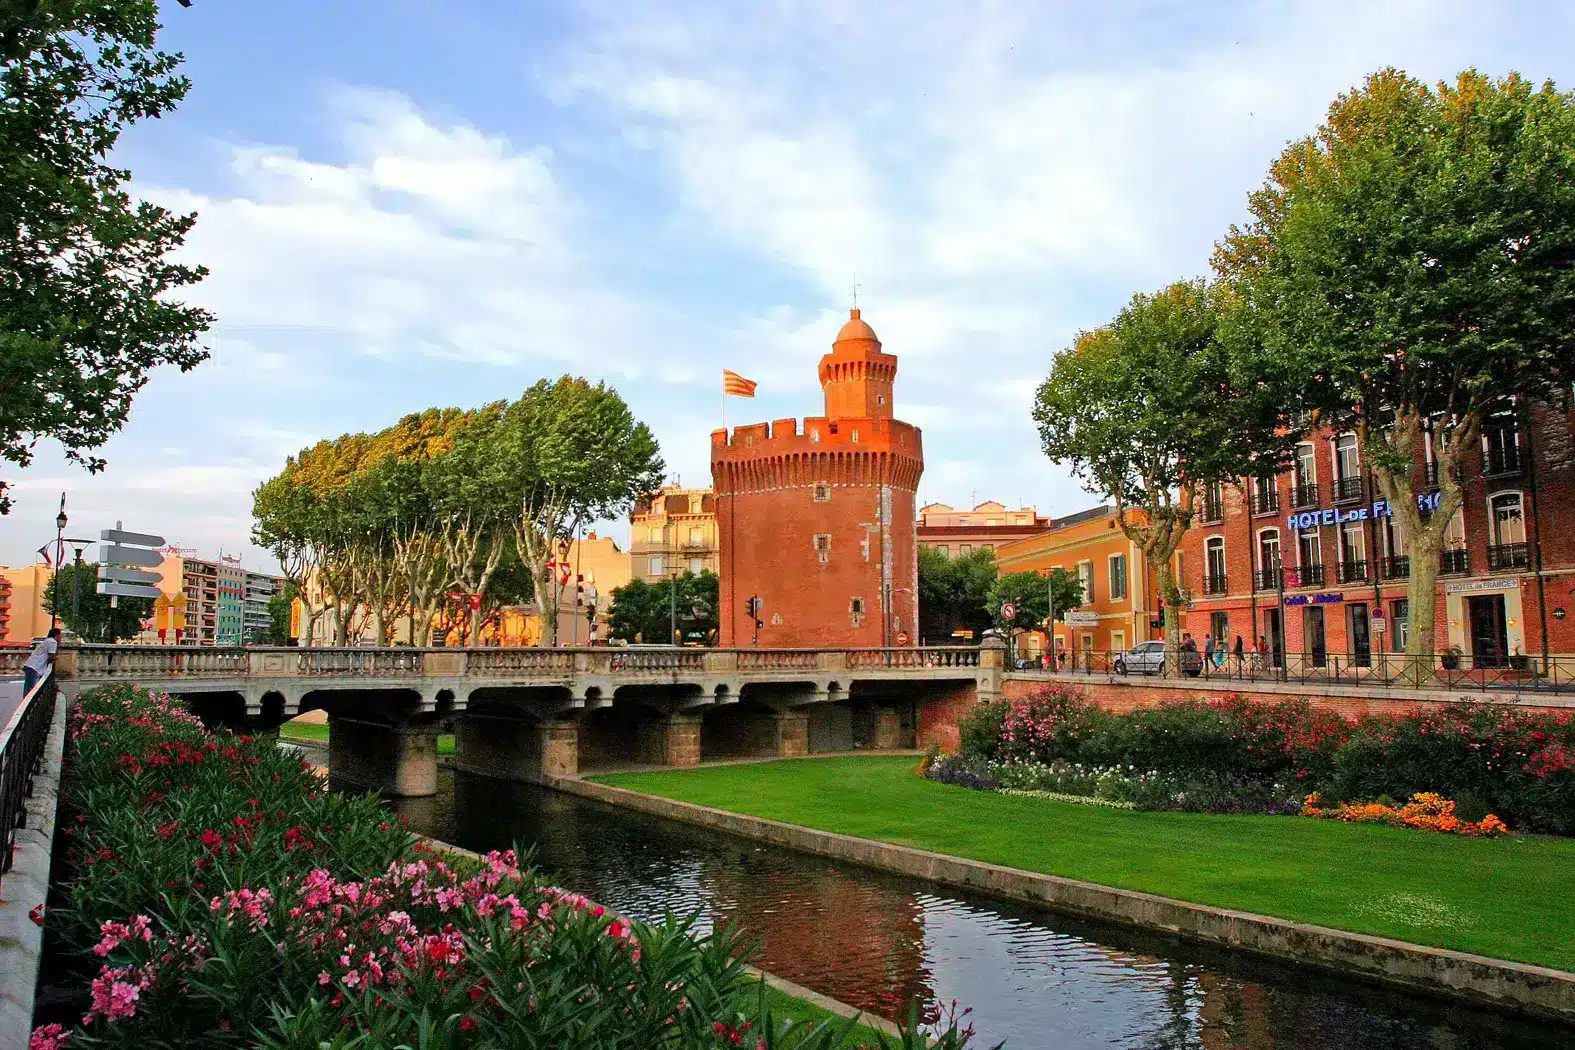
{"type": "Point", "coordinates": [1450, 658]}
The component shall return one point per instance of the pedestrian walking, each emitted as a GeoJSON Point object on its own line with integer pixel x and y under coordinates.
{"type": "Point", "coordinates": [1208, 654]}
{"type": "Point", "coordinates": [1260, 655]}
{"type": "Point", "coordinates": [39, 660]}
{"type": "Point", "coordinates": [1241, 659]}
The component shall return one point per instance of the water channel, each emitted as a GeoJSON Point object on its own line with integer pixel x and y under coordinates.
{"type": "Point", "coordinates": [1032, 978]}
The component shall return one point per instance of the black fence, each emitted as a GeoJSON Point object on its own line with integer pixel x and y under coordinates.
{"type": "Point", "coordinates": [1516, 673]}
{"type": "Point", "coordinates": [21, 753]}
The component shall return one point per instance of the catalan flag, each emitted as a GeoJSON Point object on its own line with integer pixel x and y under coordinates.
{"type": "Point", "coordinates": [735, 385]}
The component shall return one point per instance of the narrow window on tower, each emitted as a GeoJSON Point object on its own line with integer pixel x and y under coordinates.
{"type": "Point", "coordinates": [855, 434]}
{"type": "Point", "coordinates": [856, 611]}
{"type": "Point", "coordinates": [822, 493]}
{"type": "Point", "coordinates": [880, 399]}
{"type": "Point", "coordinates": [823, 546]}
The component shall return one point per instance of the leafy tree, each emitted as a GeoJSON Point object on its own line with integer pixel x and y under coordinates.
{"type": "Point", "coordinates": [642, 612]}
{"type": "Point", "coordinates": [279, 609]}
{"type": "Point", "coordinates": [1030, 593]}
{"type": "Point", "coordinates": [571, 452]}
{"type": "Point", "coordinates": [74, 598]}
{"type": "Point", "coordinates": [954, 594]}
{"type": "Point", "coordinates": [87, 309]}
{"type": "Point", "coordinates": [1410, 267]}
{"type": "Point", "coordinates": [1145, 413]}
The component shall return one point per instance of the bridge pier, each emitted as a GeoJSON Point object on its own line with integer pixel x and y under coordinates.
{"type": "Point", "coordinates": [397, 760]}
{"type": "Point", "coordinates": [514, 749]}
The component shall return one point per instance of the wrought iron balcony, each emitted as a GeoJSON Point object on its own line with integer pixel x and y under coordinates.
{"type": "Point", "coordinates": [1349, 490]}
{"type": "Point", "coordinates": [1304, 576]}
{"type": "Point", "coordinates": [1500, 462]}
{"type": "Point", "coordinates": [1453, 562]}
{"type": "Point", "coordinates": [1353, 571]}
{"type": "Point", "coordinates": [1396, 568]}
{"type": "Point", "coordinates": [1267, 501]}
{"type": "Point", "coordinates": [1214, 583]}
{"type": "Point", "coordinates": [1304, 495]}
{"type": "Point", "coordinates": [1213, 511]}
{"type": "Point", "coordinates": [1505, 556]}
{"type": "Point", "coordinates": [1268, 579]}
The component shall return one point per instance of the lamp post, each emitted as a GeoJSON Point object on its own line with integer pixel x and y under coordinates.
{"type": "Point", "coordinates": [60, 554]}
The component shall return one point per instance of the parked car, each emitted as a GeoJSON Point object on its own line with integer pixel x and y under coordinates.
{"type": "Point", "coordinates": [1149, 658]}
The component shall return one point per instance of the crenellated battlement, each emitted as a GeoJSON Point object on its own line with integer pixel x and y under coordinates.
{"type": "Point", "coordinates": [819, 434]}
{"type": "Point", "coordinates": [841, 452]}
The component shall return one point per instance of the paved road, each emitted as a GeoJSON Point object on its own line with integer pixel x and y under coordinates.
{"type": "Point", "coordinates": [10, 694]}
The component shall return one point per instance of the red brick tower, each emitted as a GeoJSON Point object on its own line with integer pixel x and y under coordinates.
{"type": "Point", "coordinates": [819, 522]}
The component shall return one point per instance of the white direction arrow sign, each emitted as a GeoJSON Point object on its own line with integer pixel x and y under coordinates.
{"type": "Point", "coordinates": [129, 556]}
{"type": "Point", "coordinates": [136, 539]}
{"type": "Point", "coordinates": [129, 590]}
{"type": "Point", "coordinates": [119, 575]}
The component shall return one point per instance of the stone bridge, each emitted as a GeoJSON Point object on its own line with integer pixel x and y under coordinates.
{"type": "Point", "coordinates": [528, 714]}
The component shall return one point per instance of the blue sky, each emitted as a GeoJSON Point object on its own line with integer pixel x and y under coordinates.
{"type": "Point", "coordinates": [410, 203]}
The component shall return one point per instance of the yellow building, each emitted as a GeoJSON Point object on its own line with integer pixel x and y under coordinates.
{"type": "Point", "coordinates": [673, 532]}
{"type": "Point", "coordinates": [1119, 594]}
{"type": "Point", "coordinates": [25, 616]}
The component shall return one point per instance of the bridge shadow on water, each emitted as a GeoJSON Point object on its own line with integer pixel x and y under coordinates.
{"type": "Point", "coordinates": [878, 941]}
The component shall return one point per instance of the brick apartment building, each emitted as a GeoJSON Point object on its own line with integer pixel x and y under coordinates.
{"type": "Point", "coordinates": [1312, 562]}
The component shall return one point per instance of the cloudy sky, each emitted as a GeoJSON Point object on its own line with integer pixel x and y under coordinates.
{"type": "Point", "coordinates": [408, 203]}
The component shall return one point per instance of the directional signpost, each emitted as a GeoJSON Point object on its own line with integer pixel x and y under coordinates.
{"type": "Point", "coordinates": [123, 558]}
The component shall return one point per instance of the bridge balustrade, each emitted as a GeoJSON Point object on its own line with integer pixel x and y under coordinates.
{"type": "Point", "coordinates": [160, 661]}
{"type": "Point", "coordinates": [778, 659]}
{"type": "Point", "coordinates": [518, 663]}
{"type": "Point", "coordinates": [318, 662]}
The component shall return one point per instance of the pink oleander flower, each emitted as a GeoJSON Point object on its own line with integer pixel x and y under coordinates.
{"type": "Point", "coordinates": [48, 1037]}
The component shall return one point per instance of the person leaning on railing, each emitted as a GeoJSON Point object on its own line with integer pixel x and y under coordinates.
{"type": "Point", "coordinates": [40, 659]}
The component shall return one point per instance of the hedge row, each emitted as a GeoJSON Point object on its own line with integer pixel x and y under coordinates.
{"type": "Point", "coordinates": [1512, 761]}
{"type": "Point", "coordinates": [220, 896]}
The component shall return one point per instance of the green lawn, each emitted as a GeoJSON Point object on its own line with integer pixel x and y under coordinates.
{"type": "Point", "coordinates": [785, 1007]}
{"type": "Point", "coordinates": [309, 731]}
{"type": "Point", "coordinates": [1507, 898]}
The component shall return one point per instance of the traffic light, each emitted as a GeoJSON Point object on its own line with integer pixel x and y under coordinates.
{"type": "Point", "coordinates": [753, 606]}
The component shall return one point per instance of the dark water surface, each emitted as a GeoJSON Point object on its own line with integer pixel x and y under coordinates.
{"type": "Point", "coordinates": [1033, 978]}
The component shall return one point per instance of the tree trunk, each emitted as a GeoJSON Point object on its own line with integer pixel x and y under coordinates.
{"type": "Point", "coordinates": [1165, 579]}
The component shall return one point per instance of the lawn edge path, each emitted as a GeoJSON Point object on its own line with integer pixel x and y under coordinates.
{"type": "Point", "coordinates": [1441, 971]}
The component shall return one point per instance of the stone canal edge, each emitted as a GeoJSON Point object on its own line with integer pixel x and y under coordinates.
{"type": "Point", "coordinates": [1477, 979]}
{"type": "Point", "coordinates": [781, 984]}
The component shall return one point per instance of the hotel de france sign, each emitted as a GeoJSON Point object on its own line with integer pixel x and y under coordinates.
{"type": "Point", "coordinates": [1380, 508]}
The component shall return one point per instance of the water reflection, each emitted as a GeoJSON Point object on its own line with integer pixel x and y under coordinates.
{"type": "Point", "coordinates": [880, 941]}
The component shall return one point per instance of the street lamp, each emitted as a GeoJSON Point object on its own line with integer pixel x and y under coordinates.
{"type": "Point", "coordinates": [60, 552]}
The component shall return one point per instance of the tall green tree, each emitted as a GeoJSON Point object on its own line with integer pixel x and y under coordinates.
{"type": "Point", "coordinates": [954, 594]}
{"type": "Point", "coordinates": [1029, 594]}
{"type": "Point", "coordinates": [1410, 268]}
{"type": "Point", "coordinates": [279, 610]}
{"type": "Point", "coordinates": [1144, 411]}
{"type": "Point", "coordinates": [87, 289]}
{"type": "Point", "coordinates": [73, 596]}
{"type": "Point", "coordinates": [642, 612]}
{"type": "Point", "coordinates": [571, 452]}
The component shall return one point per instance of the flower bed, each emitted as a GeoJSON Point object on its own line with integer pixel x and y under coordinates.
{"type": "Point", "coordinates": [221, 897]}
{"type": "Point", "coordinates": [1426, 812]}
{"type": "Point", "coordinates": [1239, 756]}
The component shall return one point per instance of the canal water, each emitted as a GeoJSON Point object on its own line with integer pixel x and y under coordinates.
{"type": "Point", "coordinates": [878, 941]}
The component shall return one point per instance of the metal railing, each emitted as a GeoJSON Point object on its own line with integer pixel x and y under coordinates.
{"type": "Point", "coordinates": [1269, 579]}
{"type": "Point", "coordinates": [1395, 568]}
{"type": "Point", "coordinates": [1500, 462]}
{"type": "Point", "coordinates": [1267, 501]}
{"type": "Point", "coordinates": [1454, 562]}
{"type": "Point", "coordinates": [1349, 490]}
{"type": "Point", "coordinates": [21, 753]}
{"type": "Point", "coordinates": [1505, 556]}
{"type": "Point", "coordinates": [1213, 511]}
{"type": "Point", "coordinates": [1492, 673]}
{"type": "Point", "coordinates": [1352, 571]}
{"type": "Point", "coordinates": [1215, 583]}
{"type": "Point", "coordinates": [1304, 576]}
{"type": "Point", "coordinates": [1304, 495]}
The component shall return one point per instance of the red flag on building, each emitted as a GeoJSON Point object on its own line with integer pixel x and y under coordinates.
{"type": "Point", "coordinates": [735, 385]}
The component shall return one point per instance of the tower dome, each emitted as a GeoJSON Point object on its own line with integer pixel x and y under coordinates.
{"type": "Point", "coordinates": [856, 330]}
{"type": "Point", "coordinates": [857, 375]}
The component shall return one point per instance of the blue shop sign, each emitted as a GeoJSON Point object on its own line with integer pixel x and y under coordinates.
{"type": "Point", "coordinates": [1315, 599]}
{"type": "Point", "coordinates": [1311, 519]}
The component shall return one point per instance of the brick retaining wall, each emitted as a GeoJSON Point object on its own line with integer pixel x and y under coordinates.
{"type": "Point", "coordinates": [1125, 694]}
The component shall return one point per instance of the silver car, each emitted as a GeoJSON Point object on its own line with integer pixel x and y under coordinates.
{"type": "Point", "coordinates": [1149, 658]}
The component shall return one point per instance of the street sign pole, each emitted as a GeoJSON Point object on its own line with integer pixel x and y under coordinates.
{"type": "Point", "coordinates": [122, 557]}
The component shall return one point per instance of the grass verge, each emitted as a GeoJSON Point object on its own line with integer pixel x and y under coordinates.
{"type": "Point", "coordinates": [1505, 898]}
